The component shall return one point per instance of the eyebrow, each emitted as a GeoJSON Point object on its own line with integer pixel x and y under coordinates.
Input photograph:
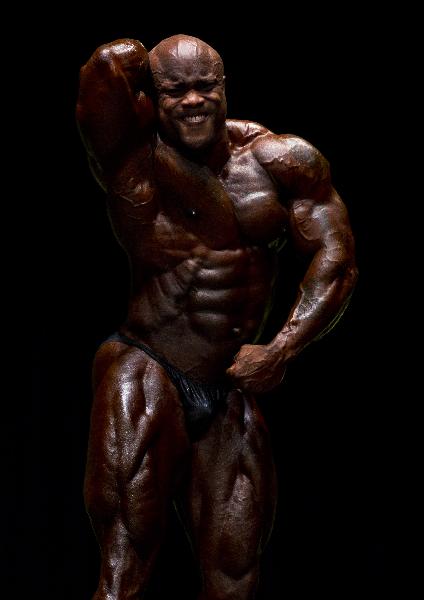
{"type": "Point", "coordinates": [169, 83]}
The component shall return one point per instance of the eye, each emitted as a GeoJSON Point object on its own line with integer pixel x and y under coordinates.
{"type": "Point", "coordinates": [206, 86]}
{"type": "Point", "coordinates": [173, 92]}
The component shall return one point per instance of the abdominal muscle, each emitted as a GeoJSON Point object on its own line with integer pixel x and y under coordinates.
{"type": "Point", "coordinates": [198, 314]}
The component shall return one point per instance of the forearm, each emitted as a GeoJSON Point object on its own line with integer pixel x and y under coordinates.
{"type": "Point", "coordinates": [323, 295]}
{"type": "Point", "coordinates": [321, 233]}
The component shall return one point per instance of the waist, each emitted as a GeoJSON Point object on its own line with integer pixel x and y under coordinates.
{"type": "Point", "coordinates": [204, 358]}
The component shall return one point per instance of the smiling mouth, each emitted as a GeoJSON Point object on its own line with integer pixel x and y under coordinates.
{"type": "Point", "coordinates": [194, 119]}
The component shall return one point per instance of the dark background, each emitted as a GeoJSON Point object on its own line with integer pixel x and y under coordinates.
{"type": "Point", "coordinates": [333, 449]}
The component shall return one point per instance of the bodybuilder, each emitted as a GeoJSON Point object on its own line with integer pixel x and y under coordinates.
{"type": "Point", "coordinates": [198, 203]}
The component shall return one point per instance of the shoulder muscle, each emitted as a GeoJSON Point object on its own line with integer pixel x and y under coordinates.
{"type": "Point", "coordinates": [294, 164]}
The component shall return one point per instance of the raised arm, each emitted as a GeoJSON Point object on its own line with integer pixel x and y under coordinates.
{"type": "Point", "coordinates": [321, 232]}
{"type": "Point", "coordinates": [114, 112]}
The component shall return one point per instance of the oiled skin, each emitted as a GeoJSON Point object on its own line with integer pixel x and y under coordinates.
{"type": "Point", "coordinates": [196, 200]}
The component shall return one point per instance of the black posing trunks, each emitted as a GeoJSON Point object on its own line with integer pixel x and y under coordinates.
{"type": "Point", "coordinates": [201, 401]}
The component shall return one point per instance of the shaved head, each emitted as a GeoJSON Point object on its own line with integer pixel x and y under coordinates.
{"type": "Point", "coordinates": [179, 49]}
{"type": "Point", "coordinates": [188, 77]}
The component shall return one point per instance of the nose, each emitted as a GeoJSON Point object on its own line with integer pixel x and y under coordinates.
{"type": "Point", "coordinates": [192, 98]}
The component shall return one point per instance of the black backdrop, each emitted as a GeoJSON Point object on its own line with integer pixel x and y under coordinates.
{"type": "Point", "coordinates": [325, 83]}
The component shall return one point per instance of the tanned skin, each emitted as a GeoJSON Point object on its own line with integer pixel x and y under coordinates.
{"type": "Point", "coordinates": [196, 200]}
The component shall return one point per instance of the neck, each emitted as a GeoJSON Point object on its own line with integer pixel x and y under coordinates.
{"type": "Point", "coordinates": [217, 155]}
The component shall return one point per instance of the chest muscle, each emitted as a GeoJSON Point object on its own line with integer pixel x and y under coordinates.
{"type": "Point", "coordinates": [260, 215]}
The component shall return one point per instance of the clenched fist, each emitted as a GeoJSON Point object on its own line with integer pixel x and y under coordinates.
{"type": "Point", "coordinates": [257, 368]}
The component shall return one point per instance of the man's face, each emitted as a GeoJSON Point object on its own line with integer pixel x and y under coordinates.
{"type": "Point", "coordinates": [191, 100]}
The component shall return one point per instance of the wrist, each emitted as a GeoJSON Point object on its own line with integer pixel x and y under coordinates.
{"type": "Point", "coordinates": [283, 347]}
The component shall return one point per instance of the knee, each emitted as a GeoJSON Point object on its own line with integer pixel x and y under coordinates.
{"type": "Point", "coordinates": [219, 585]}
{"type": "Point", "coordinates": [126, 564]}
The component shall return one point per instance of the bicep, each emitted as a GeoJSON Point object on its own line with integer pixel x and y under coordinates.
{"type": "Point", "coordinates": [322, 226]}
{"type": "Point", "coordinates": [111, 113]}
{"type": "Point", "coordinates": [318, 217]}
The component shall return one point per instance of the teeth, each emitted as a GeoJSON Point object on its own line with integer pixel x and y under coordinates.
{"type": "Point", "coordinates": [195, 118]}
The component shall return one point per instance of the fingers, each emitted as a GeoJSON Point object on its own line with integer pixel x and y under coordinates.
{"type": "Point", "coordinates": [240, 380]}
{"type": "Point", "coordinates": [231, 371]}
{"type": "Point", "coordinates": [257, 380]}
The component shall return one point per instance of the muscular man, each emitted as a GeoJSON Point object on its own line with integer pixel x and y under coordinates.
{"type": "Point", "coordinates": [197, 202]}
